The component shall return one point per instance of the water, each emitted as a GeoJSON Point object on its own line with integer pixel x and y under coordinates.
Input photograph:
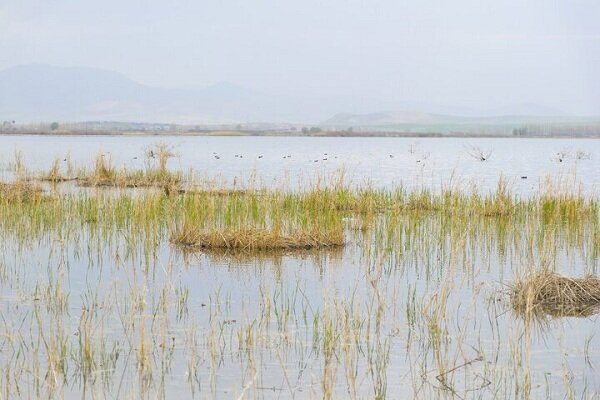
{"type": "Point", "coordinates": [384, 162]}
{"type": "Point", "coordinates": [427, 302]}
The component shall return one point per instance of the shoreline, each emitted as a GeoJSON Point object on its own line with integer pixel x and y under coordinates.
{"type": "Point", "coordinates": [227, 133]}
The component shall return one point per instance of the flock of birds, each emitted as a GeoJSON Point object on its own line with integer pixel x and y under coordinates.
{"type": "Point", "coordinates": [560, 157]}
{"type": "Point", "coordinates": [324, 157]}
{"type": "Point", "coordinates": [480, 156]}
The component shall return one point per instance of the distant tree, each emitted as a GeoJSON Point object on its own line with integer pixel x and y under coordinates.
{"type": "Point", "coordinates": [305, 130]}
{"type": "Point", "coordinates": [7, 125]}
{"type": "Point", "coordinates": [520, 131]}
{"type": "Point", "coordinates": [315, 129]}
{"type": "Point", "coordinates": [54, 126]}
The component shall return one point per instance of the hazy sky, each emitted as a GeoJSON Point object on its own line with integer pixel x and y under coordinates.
{"type": "Point", "coordinates": [480, 54]}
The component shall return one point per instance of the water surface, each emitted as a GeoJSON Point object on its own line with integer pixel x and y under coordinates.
{"type": "Point", "coordinates": [414, 306]}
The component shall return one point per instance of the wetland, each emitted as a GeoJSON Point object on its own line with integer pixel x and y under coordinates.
{"type": "Point", "coordinates": [243, 268]}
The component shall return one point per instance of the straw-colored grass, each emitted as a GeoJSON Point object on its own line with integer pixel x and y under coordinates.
{"type": "Point", "coordinates": [105, 175]}
{"type": "Point", "coordinates": [19, 190]}
{"type": "Point", "coordinates": [556, 295]}
{"type": "Point", "coordinates": [216, 192]}
{"type": "Point", "coordinates": [54, 175]}
{"type": "Point", "coordinates": [256, 239]}
{"type": "Point", "coordinates": [135, 179]}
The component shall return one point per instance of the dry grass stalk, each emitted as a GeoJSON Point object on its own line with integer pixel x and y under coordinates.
{"type": "Point", "coordinates": [54, 175]}
{"type": "Point", "coordinates": [104, 175]}
{"type": "Point", "coordinates": [255, 239]}
{"type": "Point", "coordinates": [169, 182]}
{"type": "Point", "coordinates": [161, 152]}
{"type": "Point", "coordinates": [555, 295]}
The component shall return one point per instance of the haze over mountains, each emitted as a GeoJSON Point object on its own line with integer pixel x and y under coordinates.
{"type": "Point", "coordinates": [36, 92]}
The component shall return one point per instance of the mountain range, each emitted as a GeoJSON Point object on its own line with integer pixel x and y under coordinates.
{"type": "Point", "coordinates": [36, 92]}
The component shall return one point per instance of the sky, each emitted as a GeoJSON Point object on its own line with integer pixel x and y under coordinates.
{"type": "Point", "coordinates": [468, 53]}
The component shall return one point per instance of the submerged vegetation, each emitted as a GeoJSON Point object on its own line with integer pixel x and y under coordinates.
{"type": "Point", "coordinates": [332, 291]}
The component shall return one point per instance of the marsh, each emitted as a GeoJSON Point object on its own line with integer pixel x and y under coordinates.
{"type": "Point", "coordinates": [99, 299]}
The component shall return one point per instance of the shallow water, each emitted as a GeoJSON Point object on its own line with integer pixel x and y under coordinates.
{"type": "Point", "coordinates": [124, 296]}
{"type": "Point", "coordinates": [429, 162]}
{"type": "Point", "coordinates": [416, 305]}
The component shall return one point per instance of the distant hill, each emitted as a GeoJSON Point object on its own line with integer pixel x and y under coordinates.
{"type": "Point", "coordinates": [422, 122]}
{"type": "Point", "coordinates": [37, 92]}
{"type": "Point", "coordinates": [44, 93]}
{"type": "Point", "coordinates": [408, 118]}
{"type": "Point", "coordinates": [387, 118]}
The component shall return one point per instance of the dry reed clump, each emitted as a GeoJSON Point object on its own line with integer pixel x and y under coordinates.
{"type": "Point", "coordinates": [55, 178]}
{"type": "Point", "coordinates": [555, 295]}
{"type": "Point", "coordinates": [19, 191]}
{"type": "Point", "coordinates": [256, 239]}
{"type": "Point", "coordinates": [216, 192]}
{"type": "Point", "coordinates": [168, 182]}
{"type": "Point", "coordinates": [105, 175]}
{"type": "Point", "coordinates": [161, 152]}
{"type": "Point", "coordinates": [54, 175]}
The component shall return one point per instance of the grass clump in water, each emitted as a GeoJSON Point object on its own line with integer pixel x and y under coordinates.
{"type": "Point", "coordinates": [256, 239]}
{"type": "Point", "coordinates": [104, 174]}
{"type": "Point", "coordinates": [19, 191]}
{"type": "Point", "coordinates": [548, 293]}
{"type": "Point", "coordinates": [54, 175]}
